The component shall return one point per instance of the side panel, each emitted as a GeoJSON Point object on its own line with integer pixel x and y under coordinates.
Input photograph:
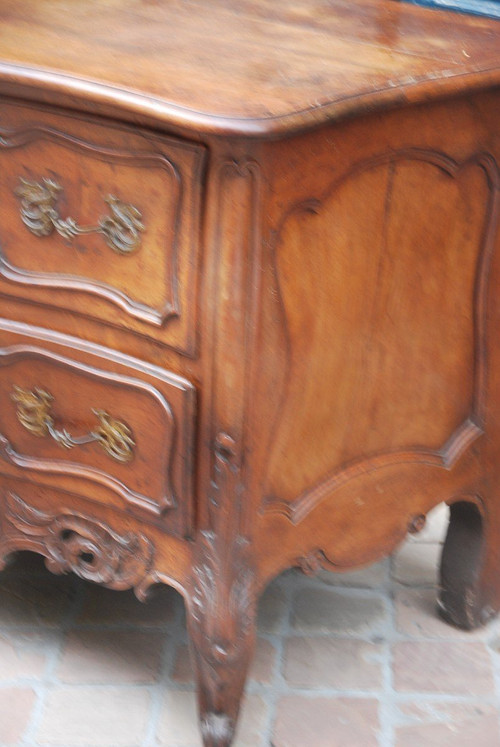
{"type": "Point", "coordinates": [378, 269]}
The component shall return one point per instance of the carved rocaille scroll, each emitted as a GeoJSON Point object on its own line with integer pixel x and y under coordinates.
{"type": "Point", "coordinates": [73, 542]}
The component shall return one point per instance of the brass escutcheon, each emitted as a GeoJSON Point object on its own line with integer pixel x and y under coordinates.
{"type": "Point", "coordinates": [121, 230]}
{"type": "Point", "coordinates": [33, 412]}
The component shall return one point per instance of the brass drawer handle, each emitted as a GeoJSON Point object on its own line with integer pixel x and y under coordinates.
{"type": "Point", "coordinates": [33, 412]}
{"type": "Point", "coordinates": [122, 230]}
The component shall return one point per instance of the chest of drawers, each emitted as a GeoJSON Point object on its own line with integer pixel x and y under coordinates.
{"type": "Point", "coordinates": [249, 274]}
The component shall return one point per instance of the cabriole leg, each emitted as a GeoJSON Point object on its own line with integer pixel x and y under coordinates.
{"type": "Point", "coordinates": [221, 623]}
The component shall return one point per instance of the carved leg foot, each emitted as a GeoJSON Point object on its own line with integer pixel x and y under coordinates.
{"type": "Point", "coordinates": [221, 673]}
{"type": "Point", "coordinates": [221, 624]}
{"type": "Point", "coordinates": [470, 566]}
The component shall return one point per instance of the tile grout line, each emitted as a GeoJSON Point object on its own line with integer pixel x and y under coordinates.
{"type": "Point", "coordinates": [271, 690]}
{"type": "Point", "coordinates": [172, 631]}
{"type": "Point", "coordinates": [279, 684]}
{"type": "Point", "coordinates": [53, 658]}
{"type": "Point", "coordinates": [387, 704]}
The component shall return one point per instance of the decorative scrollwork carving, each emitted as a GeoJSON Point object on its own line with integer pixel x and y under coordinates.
{"type": "Point", "coordinates": [222, 591]}
{"type": "Point", "coordinates": [122, 230]}
{"type": "Point", "coordinates": [222, 626]}
{"type": "Point", "coordinates": [72, 542]}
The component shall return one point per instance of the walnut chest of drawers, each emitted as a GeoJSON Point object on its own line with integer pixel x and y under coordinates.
{"type": "Point", "coordinates": [249, 283]}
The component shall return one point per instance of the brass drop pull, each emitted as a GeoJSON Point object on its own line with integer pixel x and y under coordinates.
{"type": "Point", "coordinates": [121, 230]}
{"type": "Point", "coordinates": [33, 412]}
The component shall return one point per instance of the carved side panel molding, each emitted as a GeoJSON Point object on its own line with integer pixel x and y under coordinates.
{"type": "Point", "coordinates": [74, 542]}
{"type": "Point", "coordinates": [442, 171]}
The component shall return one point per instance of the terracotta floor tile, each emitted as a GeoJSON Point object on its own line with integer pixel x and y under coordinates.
{"type": "Point", "coordinates": [21, 656]}
{"type": "Point", "coordinates": [16, 706]}
{"type": "Point", "coordinates": [416, 564]}
{"type": "Point", "coordinates": [330, 611]}
{"type": "Point", "coordinates": [458, 668]}
{"type": "Point", "coordinates": [416, 616]}
{"type": "Point", "coordinates": [341, 664]}
{"type": "Point", "coordinates": [440, 724]}
{"type": "Point", "coordinates": [104, 716]}
{"type": "Point", "coordinates": [178, 725]}
{"type": "Point", "coordinates": [371, 577]}
{"type": "Point", "coordinates": [113, 657]}
{"type": "Point", "coordinates": [273, 609]}
{"type": "Point", "coordinates": [326, 722]}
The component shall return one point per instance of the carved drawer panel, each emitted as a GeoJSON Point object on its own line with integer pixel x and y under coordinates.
{"type": "Point", "coordinates": [101, 222]}
{"type": "Point", "coordinates": [105, 426]}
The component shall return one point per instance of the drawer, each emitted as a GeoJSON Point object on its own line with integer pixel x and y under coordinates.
{"type": "Point", "coordinates": [102, 223]}
{"type": "Point", "coordinates": [98, 424]}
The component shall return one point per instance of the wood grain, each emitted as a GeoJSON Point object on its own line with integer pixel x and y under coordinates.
{"type": "Point", "coordinates": [247, 66]}
{"type": "Point", "coordinates": [304, 344]}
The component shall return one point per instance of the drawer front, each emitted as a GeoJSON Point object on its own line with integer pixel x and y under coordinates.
{"type": "Point", "coordinates": [119, 433]}
{"type": "Point", "coordinates": [101, 222]}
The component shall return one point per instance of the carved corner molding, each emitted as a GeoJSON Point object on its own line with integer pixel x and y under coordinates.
{"type": "Point", "coordinates": [223, 585]}
{"type": "Point", "coordinates": [472, 427]}
{"type": "Point", "coordinates": [74, 542]}
{"type": "Point", "coordinates": [222, 600]}
{"type": "Point", "coordinates": [222, 628]}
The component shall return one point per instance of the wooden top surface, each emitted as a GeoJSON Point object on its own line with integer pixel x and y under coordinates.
{"type": "Point", "coordinates": [241, 66]}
